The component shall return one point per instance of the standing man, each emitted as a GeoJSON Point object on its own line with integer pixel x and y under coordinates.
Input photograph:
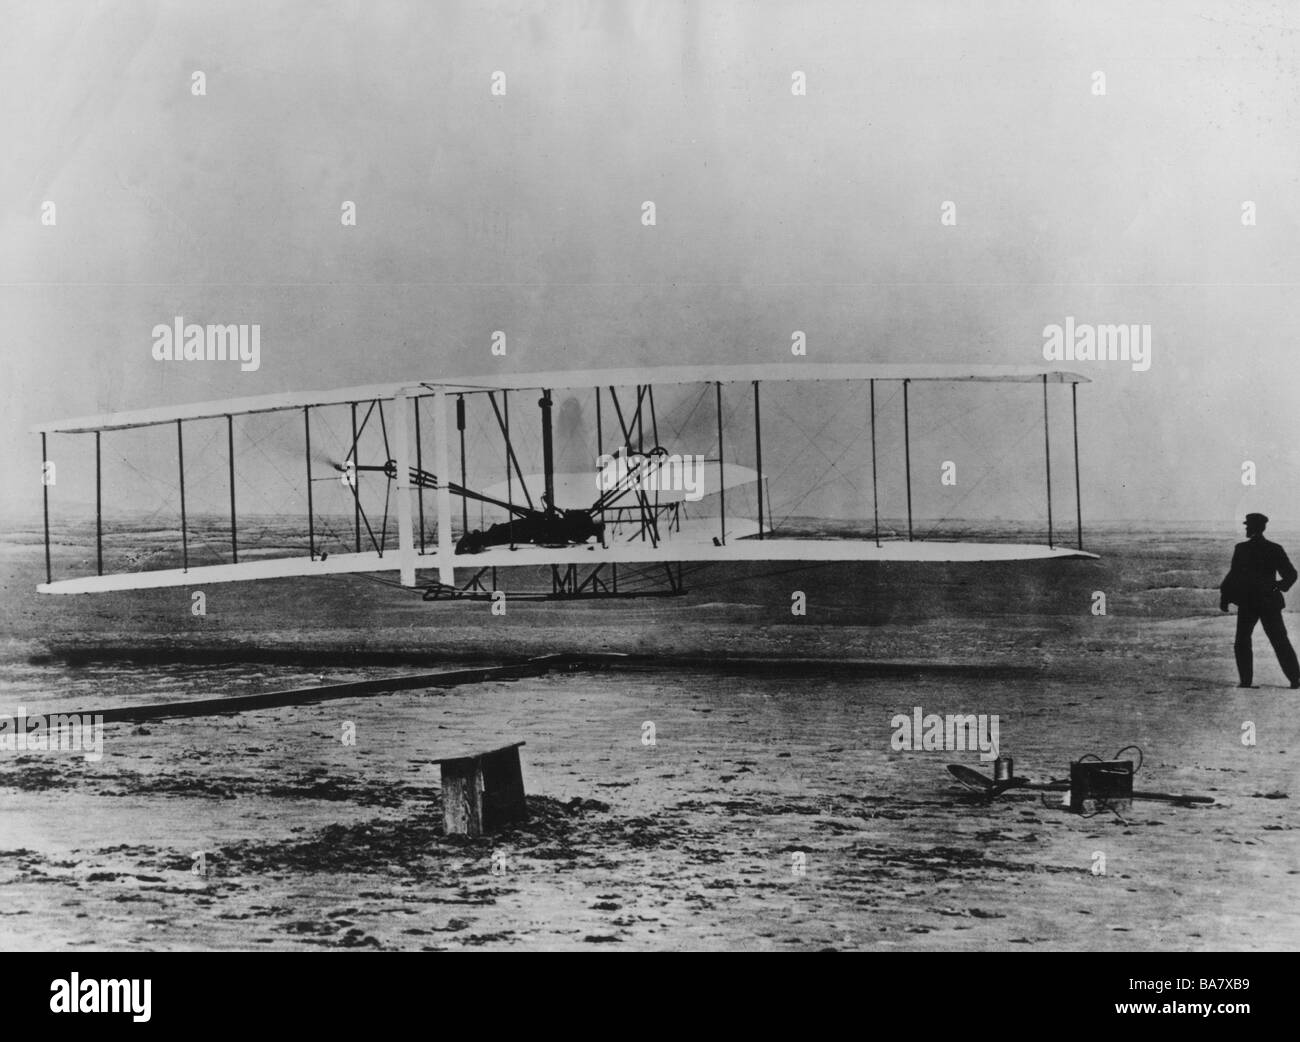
{"type": "Point", "coordinates": [1252, 583]}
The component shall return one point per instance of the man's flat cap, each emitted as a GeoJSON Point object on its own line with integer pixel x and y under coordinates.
{"type": "Point", "coordinates": [1256, 519]}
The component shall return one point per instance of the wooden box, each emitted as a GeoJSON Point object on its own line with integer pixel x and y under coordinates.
{"type": "Point", "coordinates": [482, 792]}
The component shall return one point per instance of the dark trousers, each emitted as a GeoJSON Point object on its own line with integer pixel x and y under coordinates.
{"type": "Point", "coordinates": [1275, 628]}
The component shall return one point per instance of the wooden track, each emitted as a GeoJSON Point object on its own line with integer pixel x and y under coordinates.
{"type": "Point", "coordinates": [327, 692]}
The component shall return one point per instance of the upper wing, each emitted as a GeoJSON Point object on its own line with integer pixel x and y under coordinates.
{"type": "Point", "coordinates": [692, 374]}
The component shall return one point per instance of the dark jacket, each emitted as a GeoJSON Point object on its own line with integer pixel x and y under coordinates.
{"type": "Point", "coordinates": [1253, 580]}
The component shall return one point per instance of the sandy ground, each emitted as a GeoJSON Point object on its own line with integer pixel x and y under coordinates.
{"type": "Point", "coordinates": [694, 842]}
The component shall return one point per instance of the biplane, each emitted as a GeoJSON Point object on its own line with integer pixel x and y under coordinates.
{"type": "Point", "coordinates": [638, 499]}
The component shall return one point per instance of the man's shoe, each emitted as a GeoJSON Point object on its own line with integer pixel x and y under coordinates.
{"type": "Point", "coordinates": [1253, 687]}
{"type": "Point", "coordinates": [1295, 684]}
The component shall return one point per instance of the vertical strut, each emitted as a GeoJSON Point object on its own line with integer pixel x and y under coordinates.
{"type": "Point", "coordinates": [99, 511]}
{"type": "Point", "coordinates": [875, 494]}
{"type": "Point", "coordinates": [758, 452]}
{"type": "Point", "coordinates": [230, 459]}
{"type": "Point", "coordinates": [600, 451]}
{"type": "Point", "coordinates": [356, 483]}
{"type": "Point", "coordinates": [548, 454]}
{"type": "Point", "coordinates": [460, 426]}
{"type": "Point", "coordinates": [907, 458]}
{"type": "Point", "coordinates": [405, 543]}
{"type": "Point", "coordinates": [1047, 458]}
{"type": "Point", "coordinates": [446, 571]}
{"type": "Point", "coordinates": [45, 498]}
{"type": "Point", "coordinates": [311, 520]}
{"type": "Point", "coordinates": [419, 465]}
{"type": "Point", "coordinates": [1078, 501]}
{"type": "Point", "coordinates": [510, 485]}
{"type": "Point", "coordinates": [180, 462]}
{"type": "Point", "coordinates": [722, 483]}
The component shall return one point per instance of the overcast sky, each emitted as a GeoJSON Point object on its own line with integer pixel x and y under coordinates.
{"type": "Point", "coordinates": [774, 211]}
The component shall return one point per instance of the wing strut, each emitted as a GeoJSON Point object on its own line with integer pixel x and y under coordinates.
{"type": "Point", "coordinates": [356, 482]}
{"type": "Point", "coordinates": [722, 485]}
{"type": "Point", "coordinates": [875, 494]}
{"type": "Point", "coordinates": [446, 570]}
{"type": "Point", "coordinates": [460, 426]}
{"type": "Point", "coordinates": [1047, 459]}
{"type": "Point", "coordinates": [230, 459]}
{"type": "Point", "coordinates": [405, 544]}
{"type": "Point", "coordinates": [180, 464]}
{"type": "Point", "coordinates": [510, 452]}
{"type": "Point", "coordinates": [907, 460]}
{"type": "Point", "coordinates": [311, 520]}
{"type": "Point", "coordinates": [548, 457]}
{"type": "Point", "coordinates": [758, 451]}
{"type": "Point", "coordinates": [419, 465]}
{"type": "Point", "coordinates": [1078, 501]}
{"type": "Point", "coordinates": [99, 510]}
{"type": "Point", "coordinates": [45, 499]}
{"type": "Point", "coordinates": [600, 444]}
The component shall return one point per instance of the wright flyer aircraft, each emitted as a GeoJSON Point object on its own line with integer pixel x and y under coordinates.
{"type": "Point", "coordinates": [439, 486]}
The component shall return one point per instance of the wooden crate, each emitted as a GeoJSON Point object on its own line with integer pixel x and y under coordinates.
{"type": "Point", "coordinates": [482, 792]}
